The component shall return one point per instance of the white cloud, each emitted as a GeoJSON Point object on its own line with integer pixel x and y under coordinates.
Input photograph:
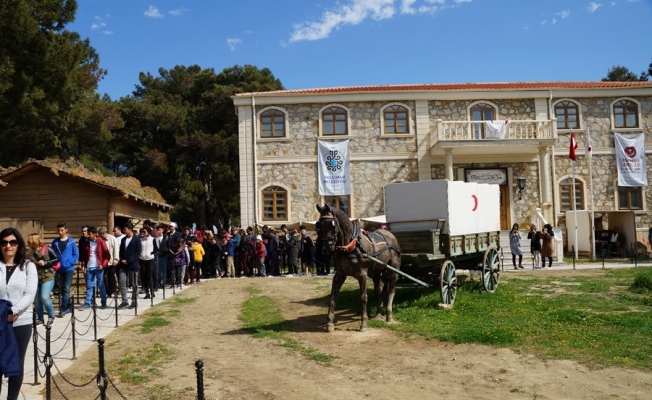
{"type": "Point", "coordinates": [543, 22]}
{"type": "Point", "coordinates": [406, 6]}
{"type": "Point", "coordinates": [554, 21]}
{"type": "Point", "coordinates": [177, 12]}
{"type": "Point", "coordinates": [107, 32]}
{"type": "Point", "coordinates": [563, 13]}
{"type": "Point", "coordinates": [613, 3]}
{"type": "Point", "coordinates": [593, 6]}
{"type": "Point", "coordinates": [232, 43]}
{"type": "Point", "coordinates": [97, 26]}
{"type": "Point", "coordinates": [153, 12]}
{"type": "Point", "coordinates": [98, 18]}
{"type": "Point", "coordinates": [248, 32]}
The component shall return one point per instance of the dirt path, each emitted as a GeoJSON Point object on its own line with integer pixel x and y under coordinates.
{"type": "Point", "coordinates": [377, 364]}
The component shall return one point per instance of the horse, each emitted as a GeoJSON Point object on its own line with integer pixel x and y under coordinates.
{"type": "Point", "coordinates": [349, 247]}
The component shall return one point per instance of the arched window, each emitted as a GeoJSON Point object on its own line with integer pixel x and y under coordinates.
{"type": "Point", "coordinates": [481, 112]}
{"type": "Point", "coordinates": [567, 114]}
{"type": "Point", "coordinates": [275, 203]}
{"type": "Point", "coordinates": [625, 114]}
{"type": "Point", "coordinates": [396, 120]}
{"type": "Point", "coordinates": [272, 124]}
{"type": "Point", "coordinates": [334, 121]}
{"type": "Point", "coordinates": [565, 194]}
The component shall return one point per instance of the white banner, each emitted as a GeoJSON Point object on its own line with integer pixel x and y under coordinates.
{"type": "Point", "coordinates": [334, 164]}
{"type": "Point", "coordinates": [630, 157]}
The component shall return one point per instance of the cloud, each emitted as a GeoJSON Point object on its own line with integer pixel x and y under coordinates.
{"type": "Point", "coordinates": [98, 18]}
{"type": "Point", "coordinates": [563, 13]}
{"type": "Point", "coordinates": [406, 6]}
{"type": "Point", "coordinates": [97, 26]}
{"type": "Point", "coordinates": [177, 12]}
{"type": "Point", "coordinates": [232, 43]}
{"type": "Point", "coordinates": [248, 32]}
{"type": "Point", "coordinates": [613, 3]}
{"type": "Point", "coordinates": [593, 6]}
{"type": "Point", "coordinates": [153, 12]}
{"type": "Point", "coordinates": [554, 21]}
{"type": "Point", "coordinates": [107, 32]}
{"type": "Point", "coordinates": [543, 22]}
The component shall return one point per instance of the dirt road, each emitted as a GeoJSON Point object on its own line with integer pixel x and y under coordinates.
{"type": "Point", "coordinates": [378, 364]}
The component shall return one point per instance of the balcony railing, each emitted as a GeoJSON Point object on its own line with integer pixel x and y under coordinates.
{"type": "Point", "coordinates": [475, 130]}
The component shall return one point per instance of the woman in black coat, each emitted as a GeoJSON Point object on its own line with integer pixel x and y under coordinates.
{"type": "Point", "coordinates": [307, 251]}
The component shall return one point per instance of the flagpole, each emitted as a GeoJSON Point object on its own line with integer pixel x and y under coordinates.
{"type": "Point", "coordinates": [590, 157]}
{"type": "Point", "coordinates": [575, 213]}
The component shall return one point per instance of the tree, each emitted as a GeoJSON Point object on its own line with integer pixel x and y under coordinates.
{"type": "Point", "coordinates": [47, 76]}
{"type": "Point", "coordinates": [618, 73]}
{"type": "Point", "coordinates": [181, 136]}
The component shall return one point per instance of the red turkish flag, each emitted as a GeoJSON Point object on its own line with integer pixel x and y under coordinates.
{"type": "Point", "coordinates": [573, 147]}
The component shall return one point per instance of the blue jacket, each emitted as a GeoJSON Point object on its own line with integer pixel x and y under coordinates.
{"type": "Point", "coordinates": [230, 247]}
{"type": "Point", "coordinates": [69, 256]}
{"type": "Point", "coordinates": [9, 357]}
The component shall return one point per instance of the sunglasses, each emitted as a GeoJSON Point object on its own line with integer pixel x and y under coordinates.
{"type": "Point", "coordinates": [13, 243]}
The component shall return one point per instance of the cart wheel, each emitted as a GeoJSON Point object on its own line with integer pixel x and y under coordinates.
{"type": "Point", "coordinates": [448, 283]}
{"type": "Point", "coordinates": [490, 269]}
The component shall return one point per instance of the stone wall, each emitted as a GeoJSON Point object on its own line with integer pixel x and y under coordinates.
{"type": "Point", "coordinates": [459, 110]}
{"type": "Point", "coordinates": [367, 178]}
{"type": "Point", "coordinates": [365, 134]}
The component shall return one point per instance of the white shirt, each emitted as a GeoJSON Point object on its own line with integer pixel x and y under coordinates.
{"type": "Point", "coordinates": [147, 245]}
{"type": "Point", "coordinates": [127, 241]}
{"type": "Point", "coordinates": [92, 257]}
{"type": "Point", "coordinates": [20, 290]}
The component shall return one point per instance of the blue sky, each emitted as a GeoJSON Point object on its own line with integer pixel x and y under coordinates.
{"type": "Point", "coordinates": [326, 43]}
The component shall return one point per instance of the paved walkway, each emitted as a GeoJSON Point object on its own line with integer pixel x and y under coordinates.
{"type": "Point", "coordinates": [61, 342]}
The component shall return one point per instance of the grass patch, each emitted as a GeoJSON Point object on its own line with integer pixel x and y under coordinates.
{"type": "Point", "coordinates": [263, 319]}
{"type": "Point", "coordinates": [642, 281]}
{"type": "Point", "coordinates": [138, 366]}
{"type": "Point", "coordinates": [184, 300]}
{"type": "Point", "coordinates": [595, 319]}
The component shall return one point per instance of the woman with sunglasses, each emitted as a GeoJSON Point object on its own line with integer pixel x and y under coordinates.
{"type": "Point", "coordinates": [18, 282]}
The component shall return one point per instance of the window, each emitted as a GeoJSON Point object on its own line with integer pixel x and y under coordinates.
{"type": "Point", "coordinates": [481, 112]}
{"type": "Point", "coordinates": [334, 121]}
{"type": "Point", "coordinates": [565, 188]}
{"type": "Point", "coordinates": [396, 120]}
{"type": "Point", "coordinates": [341, 202]}
{"type": "Point", "coordinates": [567, 114]}
{"type": "Point", "coordinates": [630, 198]}
{"type": "Point", "coordinates": [272, 124]}
{"type": "Point", "coordinates": [275, 203]}
{"type": "Point", "coordinates": [625, 114]}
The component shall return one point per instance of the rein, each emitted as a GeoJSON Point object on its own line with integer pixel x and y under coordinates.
{"type": "Point", "coordinates": [336, 224]}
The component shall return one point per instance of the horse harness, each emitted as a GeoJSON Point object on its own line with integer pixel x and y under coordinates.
{"type": "Point", "coordinates": [375, 238]}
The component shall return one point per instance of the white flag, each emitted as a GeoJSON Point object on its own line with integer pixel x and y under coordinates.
{"type": "Point", "coordinates": [630, 159]}
{"type": "Point", "coordinates": [589, 144]}
{"type": "Point", "coordinates": [334, 164]}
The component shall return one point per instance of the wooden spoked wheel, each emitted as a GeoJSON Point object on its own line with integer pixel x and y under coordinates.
{"type": "Point", "coordinates": [448, 283]}
{"type": "Point", "coordinates": [490, 269]}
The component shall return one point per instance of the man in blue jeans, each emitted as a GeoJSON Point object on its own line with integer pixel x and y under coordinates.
{"type": "Point", "coordinates": [66, 250]}
{"type": "Point", "coordinates": [94, 259]}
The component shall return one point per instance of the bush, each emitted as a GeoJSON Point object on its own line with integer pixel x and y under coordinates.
{"type": "Point", "coordinates": [642, 282]}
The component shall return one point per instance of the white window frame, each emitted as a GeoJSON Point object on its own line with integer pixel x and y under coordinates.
{"type": "Point", "coordinates": [613, 119]}
{"type": "Point", "coordinates": [272, 139]}
{"type": "Point", "coordinates": [348, 123]}
{"type": "Point", "coordinates": [411, 127]}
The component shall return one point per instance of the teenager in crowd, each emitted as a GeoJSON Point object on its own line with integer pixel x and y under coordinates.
{"type": "Point", "coordinates": [95, 257]}
{"type": "Point", "coordinates": [44, 258]}
{"type": "Point", "coordinates": [66, 250]}
{"type": "Point", "coordinates": [146, 261]}
{"type": "Point", "coordinates": [130, 250]}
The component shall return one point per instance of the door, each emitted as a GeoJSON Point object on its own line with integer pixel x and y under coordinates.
{"type": "Point", "coordinates": [504, 208]}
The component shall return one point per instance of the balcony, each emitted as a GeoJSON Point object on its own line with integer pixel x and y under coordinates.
{"type": "Point", "coordinates": [523, 137]}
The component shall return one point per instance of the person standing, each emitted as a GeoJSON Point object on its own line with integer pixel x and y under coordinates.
{"type": "Point", "coordinates": [273, 253]}
{"type": "Point", "coordinates": [44, 258]}
{"type": "Point", "coordinates": [535, 245]}
{"type": "Point", "coordinates": [294, 244]}
{"type": "Point", "coordinates": [198, 251]}
{"type": "Point", "coordinates": [18, 283]}
{"type": "Point", "coordinates": [110, 271]}
{"type": "Point", "coordinates": [515, 246]}
{"type": "Point", "coordinates": [117, 233]}
{"type": "Point", "coordinates": [146, 261]}
{"type": "Point", "coordinates": [230, 256]}
{"type": "Point", "coordinates": [237, 238]}
{"type": "Point", "coordinates": [307, 251]}
{"type": "Point", "coordinates": [161, 256]}
{"type": "Point", "coordinates": [66, 250]}
{"type": "Point", "coordinates": [547, 247]}
{"type": "Point", "coordinates": [260, 255]}
{"type": "Point", "coordinates": [130, 250]}
{"type": "Point", "coordinates": [95, 256]}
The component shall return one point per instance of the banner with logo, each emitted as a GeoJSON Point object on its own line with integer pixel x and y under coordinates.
{"type": "Point", "coordinates": [630, 157]}
{"type": "Point", "coordinates": [334, 166]}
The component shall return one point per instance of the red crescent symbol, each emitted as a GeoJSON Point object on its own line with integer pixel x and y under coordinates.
{"type": "Point", "coordinates": [475, 200]}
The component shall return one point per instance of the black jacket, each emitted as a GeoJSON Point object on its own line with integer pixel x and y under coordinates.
{"type": "Point", "coordinates": [130, 253]}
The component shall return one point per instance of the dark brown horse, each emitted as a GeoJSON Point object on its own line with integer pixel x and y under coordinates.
{"type": "Point", "coordinates": [342, 240]}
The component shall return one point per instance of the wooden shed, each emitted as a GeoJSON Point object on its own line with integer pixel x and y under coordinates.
{"type": "Point", "coordinates": [40, 194]}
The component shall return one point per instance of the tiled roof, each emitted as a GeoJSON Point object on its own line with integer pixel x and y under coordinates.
{"type": "Point", "coordinates": [459, 86]}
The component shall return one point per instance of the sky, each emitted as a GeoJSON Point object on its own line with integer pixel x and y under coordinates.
{"type": "Point", "coordinates": [330, 43]}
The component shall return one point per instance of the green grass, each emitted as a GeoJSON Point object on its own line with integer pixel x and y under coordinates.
{"type": "Point", "coordinates": [138, 366]}
{"type": "Point", "coordinates": [184, 300]}
{"type": "Point", "coordinates": [642, 282]}
{"type": "Point", "coordinates": [263, 319]}
{"type": "Point", "coordinates": [595, 319]}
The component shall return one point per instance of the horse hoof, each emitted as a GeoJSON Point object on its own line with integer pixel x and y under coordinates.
{"type": "Point", "coordinates": [363, 329]}
{"type": "Point", "coordinates": [330, 328]}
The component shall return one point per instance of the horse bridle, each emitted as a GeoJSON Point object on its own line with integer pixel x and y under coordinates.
{"type": "Point", "coordinates": [336, 225]}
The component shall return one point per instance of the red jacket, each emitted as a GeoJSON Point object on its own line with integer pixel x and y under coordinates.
{"type": "Point", "coordinates": [102, 253]}
{"type": "Point", "coordinates": [260, 250]}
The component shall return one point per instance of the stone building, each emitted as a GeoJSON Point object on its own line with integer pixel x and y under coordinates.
{"type": "Point", "coordinates": [420, 132]}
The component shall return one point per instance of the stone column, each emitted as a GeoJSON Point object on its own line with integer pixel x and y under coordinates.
{"type": "Point", "coordinates": [448, 164]}
{"type": "Point", "coordinates": [544, 176]}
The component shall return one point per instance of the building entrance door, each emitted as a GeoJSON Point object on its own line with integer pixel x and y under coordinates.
{"type": "Point", "coordinates": [504, 208]}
